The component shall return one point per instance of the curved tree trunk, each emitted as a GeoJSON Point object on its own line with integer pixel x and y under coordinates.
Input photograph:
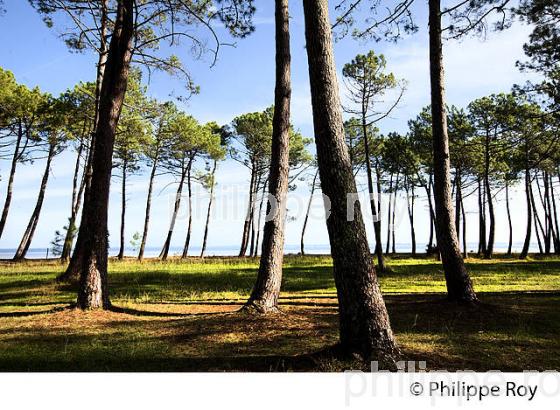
{"type": "Point", "coordinates": [32, 225]}
{"type": "Point", "coordinates": [210, 201]}
{"type": "Point", "coordinates": [189, 226]}
{"type": "Point", "coordinates": [166, 245]}
{"type": "Point", "coordinates": [306, 219]}
{"type": "Point", "coordinates": [510, 237]}
{"type": "Point", "coordinates": [465, 251]}
{"type": "Point", "coordinates": [148, 208]}
{"type": "Point", "coordinates": [247, 222]}
{"type": "Point", "coordinates": [490, 201]}
{"type": "Point", "coordinates": [77, 191]}
{"type": "Point", "coordinates": [123, 211]}
{"type": "Point", "coordinates": [264, 297]}
{"type": "Point", "coordinates": [363, 318]}
{"type": "Point", "coordinates": [93, 292]}
{"type": "Point", "coordinates": [263, 194]}
{"type": "Point", "coordinates": [9, 190]}
{"type": "Point", "coordinates": [459, 285]}
{"type": "Point", "coordinates": [72, 271]}
{"type": "Point", "coordinates": [525, 251]}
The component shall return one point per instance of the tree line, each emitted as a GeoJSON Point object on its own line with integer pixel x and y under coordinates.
{"type": "Point", "coordinates": [126, 32]}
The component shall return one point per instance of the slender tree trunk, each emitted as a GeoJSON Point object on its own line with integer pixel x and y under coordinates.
{"type": "Point", "coordinates": [557, 237]}
{"type": "Point", "coordinates": [481, 220]}
{"type": "Point", "coordinates": [252, 218]}
{"type": "Point", "coordinates": [189, 226]}
{"type": "Point", "coordinates": [93, 292]}
{"type": "Point", "coordinates": [363, 318]}
{"type": "Point", "coordinates": [459, 285]}
{"type": "Point", "coordinates": [465, 252]}
{"type": "Point", "coordinates": [432, 213]}
{"type": "Point", "coordinates": [34, 220]}
{"type": "Point", "coordinates": [9, 190]}
{"type": "Point", "coordinates": [263, 194]}
{"type": "Point", "coordinates": [148, 209]}
{"type": "Point", "coordinates": [210, 201]}
{"type": "Point", "coordinates": [525, 251]}
{"type": "Point", "coordinates": [388, 243]}
{"type": "Point", "coordinates": [305, 220]}
{"type": "Point", "coordinates": [72, 273]}
{"type": "Point", "coordinates": [538, 224]}
{"type": "Point", "coordinates": [77, 191]}
{"type": "Point", "coordinates": [247, 223]}
{"type": "Point", "coordinates": [167, 244]}
{"type": "Point", "coordinates": [410, 205]}
{"type": "Point", "coordinates": [374, 212]}
{"type": "Point", "coordinates": [488, 190]}
{"type": "Point", "coordinates": [123, 211]}
{"type": "Point", "coordinates": [393, 248]}
{"type": "Point", "coordinates": [264, 297]}
{"type": "Point", "coordinates": [458, 200]}
{"type": "Point", "coordinates": [510, 238]}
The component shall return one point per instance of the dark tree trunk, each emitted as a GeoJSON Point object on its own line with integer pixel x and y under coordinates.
{"type": "Point", "coordinates": [481, 219]}
{"type": "Point", "coordinates": [313, 184]}
{"type": "Point", "coordinates": [264, 297]}
{"type": "Point", "coordinates": [77, 191]}
{"type": "Point", "coordinates": [378, 243]}
{"type": "Point", "coordinates": [374, 212]}
{"type": "Point", "coordinates": [166, 245]}
{"type": "Point", "coordinates": [363, 318]}
{"type": "Point", "coordinates": [388, 243]}
{"type": "Point", "coordinates": [123, 211]}
{"type": "Point", "coordinates": [510, 238]}
{"type": "Point", "coordinates": [9, 191]}
{"type": "Point", "coordinates": [148, 208]}
{"type": "Point", "coordinates": [210, 201]}
{"type": "Point", "coordinates": [538, 224]}
{"type": "Point", "coordinates": [465, 251]}
{"type": "Point", "coordinates": [410, 204]}
{"type": "Point", "coordinates": [393, 246]}
{"type": "Point", "coordinates": [72, 273]}
{"type": "Point", "coordinates": [459, 285]}
{"type": "Point", "coordinates": [252, 218]}
{"type": "Point", "coordinates": [458, 200]}
{"type": "Point", "coordinates": [557, 236]}
{"type": "Point", "coordinates": [527, 243]}
{"type": "Point", "coordinates": [488, 190]}
{"type": "Point", "coordinates": [432, 212]}
{"type": "Point", "coordinates": [247, 223]}
{"type": "Point", "coordinates": [189, 226]}
{"type": "Point", "coordinates": [263, 194]}
{"type": "Point", "coordinates": [32, 225]}
{"type": "Point", "coordinates": [93, 292]}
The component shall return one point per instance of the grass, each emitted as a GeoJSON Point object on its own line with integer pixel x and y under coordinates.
{"type": "Point", "coordinates": [180, 315]}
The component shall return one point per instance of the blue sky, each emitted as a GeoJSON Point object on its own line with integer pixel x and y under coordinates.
{"type": "Point", "coordinates": [241, 81]}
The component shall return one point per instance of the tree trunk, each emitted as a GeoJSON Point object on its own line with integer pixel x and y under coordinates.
{"type": "Point", "coordinates": [166, 245]}
{"type": "Point", "coordinates": [388, 243]}
{"type": "Point", "coordinates": [363, 318]}
{"type": "Point", "coordinates": [488, 190]}
{"type": "Point", "coordinates": [9, 190]}
{"type": "Point", "coordinates": [210, 201]}
{"type": "Point", "coordinates": [72, 272]}
{"type": "Point", "coordinates": [458, 200]}
{"type": "Point", "coordinates": [374, 212]}
{"type": "Point", "coordinates": [264, 297]}
{"type": "Point", "coordinates": [481, 219]}
{"type": "Point", "coordinates": [123, 211]}
{"type": "Point", "coordinates": [263, 193]}
{"type": "Point", "coordinates": [77, 192]}
{"type": "Point", "coordinates": [189, 226]}
{"type": "Point", "coordinates": [557, 237]}
{"type": "Point", "coordinates": [247, 223]}
{"type": "Point", "coordinates": [252, 219]}
{"type": "Point", "coordinates": [302, 250]}
{"type": "Point", "coordinates": [510, 238]}
{"type": "Point", "coordinates": [32, 225]}
{"type": "Point", "coordinates": [432, 213]}
{"type": "Point", "coordinates": [93, 292]}
{"type": "Point", "coordinates": [527, 243]}
{"type": "Point", "coordinates": [410, 205]}
{"type": "Point", "coordinates": [538, 224]}
{"type": "Point", "coordinates": [148, 208]}
{"type": "Point", "coordinates": [465, 251]}
{"type": "Point", "coordinates": [459, 285]}
{"type": "Point", "coordinates": [393, 248]}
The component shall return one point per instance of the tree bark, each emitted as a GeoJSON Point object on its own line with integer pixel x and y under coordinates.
{"type": "Point", "coordinates": [264, 297]}
{"type": "Point", "coordinates": [510, 238]}
{"type": "Point", "coordinates": [410, 205]}
{"type": "Point", "coordinates": [459, 285]}
{"type": "Point", "coordinates": [34, 220]}
{"type": "Point", "coordinates": [247, 223]}
{"type": "Point", "coordinates": [123, 211]}
{"type": "Point", "coordinates": [481, 220]}
{"type": "Point", "coordinates": [393, 246]}
{"type": "Point", "coordinates": [189, 226]}
{"type": "Point", "coordinates": [148, 209]}
{"type": "Point", "coordinates": [363, 318]}
{"type": "Point", "coordinates": [94, 292]}
{"type": "Point", "coordinates": [465, 251]}
{"type": "Point", "coordinates": [488, 190]}
{"type": "Point", "coordinates": [525, 251]}
{"type": "Point", "coordinates": [166, 245]}
{"type": "Point", "coordinates": [306, 219]}
{"type": "Point", "coordinates": [72, 271]}
{"type": "Point", "coordinates": [388, 243]}
{"type": "Point", "coordinates": [9, 191]}
{"type": "Point", "coordinates": [263, 194]}
{"type": "Point", "coordinates": [210, 201]}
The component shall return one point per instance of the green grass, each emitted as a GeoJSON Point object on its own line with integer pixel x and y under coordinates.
{"type": "Point", "coordinates": [179, 315]}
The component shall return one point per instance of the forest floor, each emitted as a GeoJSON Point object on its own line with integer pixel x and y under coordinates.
{"type": "Point", "coordinates": [182, 316]}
